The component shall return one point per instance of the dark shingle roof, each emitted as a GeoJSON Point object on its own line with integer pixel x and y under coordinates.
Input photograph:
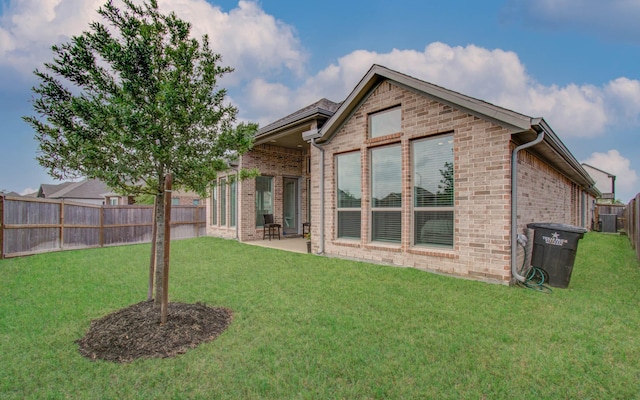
{"type": "Point", "coordinates": [87, 189]}
{"type": "Point", "coordinates": [323, 106]}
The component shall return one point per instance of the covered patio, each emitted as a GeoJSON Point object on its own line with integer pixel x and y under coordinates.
{"type": "Point", "coordinates": [295, 244]}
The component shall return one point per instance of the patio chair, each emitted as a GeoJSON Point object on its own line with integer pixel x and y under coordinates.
{"type": "Point", "coordinates": [270, 226]}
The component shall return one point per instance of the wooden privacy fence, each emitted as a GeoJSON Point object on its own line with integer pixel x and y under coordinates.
{"type": "Point", "coordinates": [30, 226]}
{"type": "Point", "coordinates": [632, 223]}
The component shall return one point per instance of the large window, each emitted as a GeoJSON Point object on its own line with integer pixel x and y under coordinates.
{"type": "Point", "coordinates": [433, 192]}
{"type": "Point", "coordinates": [264, 198]}
{"type": "Point", "coordinates": [214, 204]}
{"type": "Point", "coordinates": [223, 202]}
{"type": "Point", "coordinates": [385, 122]}
{"type": "Point", "coordinates": [233, 187]}
{"type": "Point", "coordinates": [349, 195]}
{"type": "Point", "coordinates": [386, 194]}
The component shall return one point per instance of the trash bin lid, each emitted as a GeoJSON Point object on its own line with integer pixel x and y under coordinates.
{"type": "Point", "coordinates": [557, 227]}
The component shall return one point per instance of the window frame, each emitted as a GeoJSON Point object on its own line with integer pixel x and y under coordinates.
{"type": "Point", "coordinates": [415, 209]}
{"type": "Point", "coordinates": [223, 202]}
{"type": "Point", "coordinates": [214, 204]}
{"type": "Point", "coordinates": [374, 209]}
{"type": "Point", "coordinates": [381, 114]}
{"type": "Point", "coordinates": [260, 218]}
{"type": "Point", "coordinates": [353, 210]}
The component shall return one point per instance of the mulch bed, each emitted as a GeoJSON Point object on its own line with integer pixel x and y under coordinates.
{"type": "Point", "coordinates": [135, 332]}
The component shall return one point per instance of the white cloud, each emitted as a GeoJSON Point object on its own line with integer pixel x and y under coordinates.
{"type": "Point", "coordinates": [611, 19]}
{"type": "Point", "coordinates": [249, 39]}
{"type": "Point", "coordinates": [614, 163]}
{"type": "Point", "coordinates": [496, 76]}
{"type": "Point", "coordinates": [28, 191]}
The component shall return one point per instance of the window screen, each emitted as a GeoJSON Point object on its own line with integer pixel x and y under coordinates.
{"type": "Point", "coordinates": [349, 195]}
{"type": "Point", "coordinates": [264, 198]}
{"type": "Point", "coordinates": [385, 122]}
{"type": "Point", "coordinates": [433, 191]}
{"type": "Point", "coordinates": [386, 194]}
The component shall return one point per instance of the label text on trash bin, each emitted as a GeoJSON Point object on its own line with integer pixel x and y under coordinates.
{"type": "Point", "coordinates": [554, 239]}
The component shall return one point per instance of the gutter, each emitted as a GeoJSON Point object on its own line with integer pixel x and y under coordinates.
{"type": "Point", "coordinates": [311, 136]}
{"type": "Point", "coordinates": [514, 196]}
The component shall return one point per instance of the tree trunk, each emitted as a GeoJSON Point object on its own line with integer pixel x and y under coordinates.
{"type": "Point", "coordinates": [167, 245]}
{"type": "Point", "coordinates": [157, 299]}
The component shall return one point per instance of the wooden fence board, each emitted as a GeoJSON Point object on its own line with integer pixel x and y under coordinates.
{"type": "Point", "coordinates": [30, 226]}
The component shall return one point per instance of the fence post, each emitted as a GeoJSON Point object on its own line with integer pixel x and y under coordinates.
{"type": "Point", "coordinates": [1, 227]}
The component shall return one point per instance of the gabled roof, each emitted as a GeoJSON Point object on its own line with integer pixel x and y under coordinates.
{"type": "Point", "coordinates": [300, 120]}
{"type": "Point", "coordinates": [378, 74]}
{"type": "Point", "coordinates": [522, 127]}
{"type": "Point", "coordinates": [87, 189]}
{"type": "Point", "coordinates": [610, 175]}
{"type": "Point", "coordinates": [46, 190]}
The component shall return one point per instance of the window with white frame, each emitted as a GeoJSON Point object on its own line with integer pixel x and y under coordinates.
{"type": "Point", "coordinates": [385, 122]}
{"type": "Point", "coordinates": [433, 191]}
{"type": "Point", "coordinates": [386, 194]}
{"type": "Point", "coordinates": [223, 201]}
{"type": "Point", "coordinates": [214, 204]}
{"type": "Point", "coordinates": [349, 195]}
{"type": "Point", "coordinates": [113, 201]}
{"type": "Point", "coordinates": [264, 198]}
{"type": "Point", "coordinates": [233, 187]}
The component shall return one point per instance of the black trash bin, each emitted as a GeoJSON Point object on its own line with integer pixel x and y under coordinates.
{"type": "Point", "coordinates": [554, 250]}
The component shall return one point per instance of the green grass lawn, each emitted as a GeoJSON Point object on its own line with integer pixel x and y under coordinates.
{"type": "Point", "coordinates": [314, 327]}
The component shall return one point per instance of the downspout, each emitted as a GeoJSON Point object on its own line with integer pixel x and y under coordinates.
{"type": "Point", "coordinates": [321, 245]}
{"type": "Point", "coordinates": [514, 202]}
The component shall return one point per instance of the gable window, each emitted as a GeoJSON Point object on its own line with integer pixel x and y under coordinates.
{"type": "Point", "coordinates": [385, 122]}
{"type": "Point", "coordinates": [433, 191]}
{"type": "Point", "coordinates": [349, 194]}
{"type": "Point", "coordinates": [264, 198]}
{"type": "Point", "coordinates": [223, 202]}
{"type": "Point", "coordinates": [386, 194]}
{"type": "Point", "coordinates": [113, 201]}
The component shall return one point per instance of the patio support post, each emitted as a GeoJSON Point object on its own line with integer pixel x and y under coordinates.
{"type": "Point", "coordinates": [321, 244]}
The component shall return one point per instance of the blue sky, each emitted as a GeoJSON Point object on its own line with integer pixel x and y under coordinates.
{"type": "Point", "coordinates": [573, 62]}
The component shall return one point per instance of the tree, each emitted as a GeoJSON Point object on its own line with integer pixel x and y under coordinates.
{"type": "Point", "coordinates": [445, 188]}
{"type": "Point", "coordinates": [133, 101]}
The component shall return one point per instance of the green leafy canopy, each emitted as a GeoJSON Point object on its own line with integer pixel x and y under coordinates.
{"type": "Point", "coordinates": [133, 99]}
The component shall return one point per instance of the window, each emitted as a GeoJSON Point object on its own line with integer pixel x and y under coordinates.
{"type": "Point", "coordinates": [385, 122]}
{"type": "Point", "coordinates": [196, 202]}
{"type": "Point", "coordinates": [386, 194]}
{"type": "Point", "coordinates": [433, 191]}
{"type": "Point", "coordinates": [214, 204]}
{"type": "Point", "coordinates": [232, 203]}
{"type": "Point", "coordinates": [113, 201]}
{"type": "Point", "coordinates": [264, 198]}
{"type": "Point", "coordinates": [175, 201]}
{"type": "Point", "coordinates": [223, 202]}
{"type": "Point", "coordinates": [349, 194]}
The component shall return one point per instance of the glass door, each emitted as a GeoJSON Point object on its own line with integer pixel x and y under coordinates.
{"type": "Point", "coordinates": [290, 206]}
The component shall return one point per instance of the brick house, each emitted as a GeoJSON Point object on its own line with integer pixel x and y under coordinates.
{"type": "Point", "coordinates": [407, 173]}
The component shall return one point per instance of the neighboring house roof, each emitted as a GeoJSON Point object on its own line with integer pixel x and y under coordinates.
{"type": "Point", "coordinates": [605, 181]}
{"type": "Point", "coordinates": [610, 175]}
{"type": "Point", "coordinates": [87, 189]}
{"type": "Point", "coordinates": [46, 190]}
{"type": "Point", "coordinates": [11, 194]}
{"type": "Point", "coordinates": [523, 128]}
